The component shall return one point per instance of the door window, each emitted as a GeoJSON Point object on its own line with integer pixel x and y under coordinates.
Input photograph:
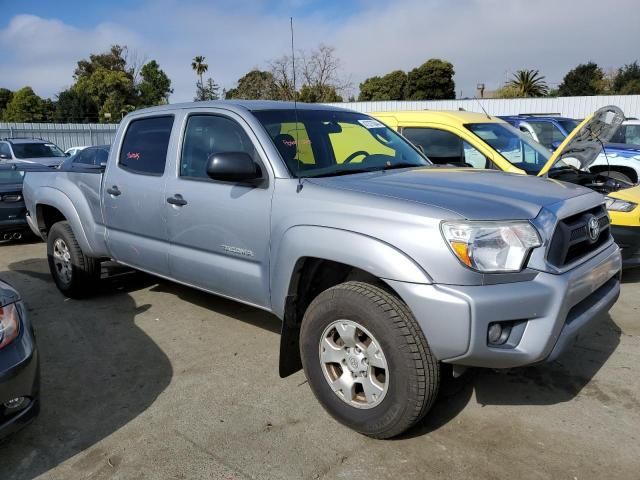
{"type": "Point", "coordinates": [209, 134]}
{"type": "Point", "coordinates": [443, 147]}
{"type": "Point", "coordinates": [5, 150]}
{"type": "Point", "coordinates": [85, 157]}
{"type": "Point", "coordinates": [145, 145]}
{"type": "Point", "coordinates": [548, 134]}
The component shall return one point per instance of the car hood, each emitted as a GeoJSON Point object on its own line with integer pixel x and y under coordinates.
{"type": "Point", "coordinates": [46, 161]}
{"type": "Point", "coordinates": [470, 193]}
{"type": "Point", "coordinates": [7, 294]}
{"type": "Point", "coordinates": [584, 143]}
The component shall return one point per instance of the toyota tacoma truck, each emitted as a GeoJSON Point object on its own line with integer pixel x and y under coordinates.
{"type": "Point", "coordinates": [382, 266]}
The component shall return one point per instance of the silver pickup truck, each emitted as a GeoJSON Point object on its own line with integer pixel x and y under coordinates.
{"type": "Point", "coordinates": [382, 266]}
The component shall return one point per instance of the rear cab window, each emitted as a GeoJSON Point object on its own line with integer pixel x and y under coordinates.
{"type": "Point", "coordinates": [145, 145]}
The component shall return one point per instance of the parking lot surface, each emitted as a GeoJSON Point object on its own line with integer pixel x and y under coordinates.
{"type": "Point", "coordinates": [149, 379]}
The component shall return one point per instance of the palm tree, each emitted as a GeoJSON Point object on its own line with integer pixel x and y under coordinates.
{"type": "Point", "coordinates": [529, 83]}
{"type": "Point", "coordinates": [199, 66]}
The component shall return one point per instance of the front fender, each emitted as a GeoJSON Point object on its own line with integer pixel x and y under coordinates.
{"type": "Point", "coordinates": [369, 254]}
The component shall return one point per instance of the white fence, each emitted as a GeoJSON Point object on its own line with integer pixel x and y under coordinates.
{"type": "Point", "coordinates": [573, 107]}
{"type": "Point", "coordinates": [64, 135]}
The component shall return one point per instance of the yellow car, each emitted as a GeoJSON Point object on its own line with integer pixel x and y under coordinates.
{"type": "Point", "coordinates": [483, 141]}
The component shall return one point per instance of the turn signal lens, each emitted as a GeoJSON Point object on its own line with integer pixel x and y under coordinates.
{"type": "Point", "coordinates": [9, 325]}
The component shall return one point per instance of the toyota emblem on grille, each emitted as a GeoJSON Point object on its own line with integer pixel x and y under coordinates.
{"type": "Point", "coordinates": [593, 229]}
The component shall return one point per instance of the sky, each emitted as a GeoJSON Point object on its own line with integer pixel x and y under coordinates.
{"type": "Point", "coordinates": [486, 40]}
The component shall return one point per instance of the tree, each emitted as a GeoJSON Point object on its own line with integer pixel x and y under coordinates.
{"type": "Point", "coordinates": [433, 80]}
{"type": "Point", "coordinates": [529, 83]}
{"type": "Point", "coordinates": [317, 94]}
{"type": "Point", "coordinates": [208, 91]}
{"type": "Point", "coordinates": [255, 85]}
{"type": "Point", "coordinates": [282, 72]}
{"type": "Point", "coordinates": [585, 79]}
{"type": "Point", "coordinates": [320, 73]}
{"type": "Point", "coordinates": [113, 60]}
{"type": "Point", "coordinates": [627, 74]}
{"type": "Point", "coordinates": [76, 106]}
{"type": "Point", "coordinates": [632, 87]}
{"type": "Point", "coordinates": [507, 91]}
{"type": "Point", "coordinates": [199, 66]}
{"type": "Point", "coordinates": [25, 106]}
{"type": "Point", "coordinates": [392, 86]}
{"type": "Point", "coordinates": [155, 86]}
{"type": "Point", "coordinates": [5, 97]}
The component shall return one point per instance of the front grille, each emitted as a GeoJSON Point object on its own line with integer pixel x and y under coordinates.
{"type": "Point", "coordinates": [572, 241]}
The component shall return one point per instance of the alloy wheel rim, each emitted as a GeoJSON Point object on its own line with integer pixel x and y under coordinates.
{"type": "Point", "coordinates": [62, 260]}
{"type": "Point", "coordinates": [354, 364]}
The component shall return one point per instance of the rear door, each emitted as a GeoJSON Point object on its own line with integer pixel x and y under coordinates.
{"type": "Point", "coordinates": [134, 206]}
{"type": "Point", "coordinates": [219, 231]}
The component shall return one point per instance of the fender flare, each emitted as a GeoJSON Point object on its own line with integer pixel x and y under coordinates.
{"type": "Point", "coordinates": [374, 256]}
{"type": "Point", "coordinates": [55, 198]}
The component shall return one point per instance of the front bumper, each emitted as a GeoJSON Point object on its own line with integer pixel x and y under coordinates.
{"type": "Point", "coordinates": [553, 308]}
{"type": "Point", "coordinates": [19, 377]}
{"type": "Point", "coordinates": [628, 239]}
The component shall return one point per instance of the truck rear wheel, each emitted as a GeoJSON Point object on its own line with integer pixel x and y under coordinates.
{"type": "Point", "coordinates": [73, 272]}
{"type": "Point", "coordinates": [367, 360]}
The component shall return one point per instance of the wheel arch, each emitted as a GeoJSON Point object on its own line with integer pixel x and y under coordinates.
{"type": "Point", "coordinates": [309, 263]}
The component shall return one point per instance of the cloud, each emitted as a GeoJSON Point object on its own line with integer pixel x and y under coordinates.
{"type": "Point", "coordinates": [484, 39]}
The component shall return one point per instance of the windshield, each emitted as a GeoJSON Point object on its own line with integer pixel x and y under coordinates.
{"type": "Point", "coordinates": [518, 149]}
{"type": "Point", "coordinates": [317, 143]}
{"type": "Point", "coordinates": [10, 176]}
{"type": "Point", "coordinates": [568, 125]}
{"type": "Point", "coordinates": [36, 150]}
{"type": "Point", "coordinates": [629, 134]}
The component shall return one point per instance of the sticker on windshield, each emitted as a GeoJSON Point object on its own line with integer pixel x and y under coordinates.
{"type": "Point", "coordinates": [370, 123]}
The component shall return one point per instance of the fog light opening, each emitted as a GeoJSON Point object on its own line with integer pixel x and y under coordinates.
{"type": "Point", "coordinates": [17, 403]}
{"type": "Point", "coordinates": [498, 333]}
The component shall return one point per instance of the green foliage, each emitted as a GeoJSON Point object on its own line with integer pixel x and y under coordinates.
{"type": "Point", "coordinates": [113, 60]}
{"type": "Point", "coordinates": [529, 83]}
{"type": "Point", "coordinates": [5, 97]}
{"type": "Point", "coordinates": [626, 78]}
{"type": "Point", "coordinates": [255, 85]}
{"type": "Point", "coordinates": [632, 87]}
{"type": "Point", "coordinates": [585, 79]}
{"type": "Point", "coordinates": [76, 106]}
{"type": "Point", "coordinates": [318, 94]}
{"type": "Point", "coordinates": [433, 80]}
{"type": "Point", "coordinates": [25, 106]}
{"type": "Point", "coordinates": [208, 91]}
{"type": "Point", "coordinates": [391, 86]}
{"type": "Point", "coordinates": [155, 87]}
{"type": "Point", "coordinates": [507, 91]}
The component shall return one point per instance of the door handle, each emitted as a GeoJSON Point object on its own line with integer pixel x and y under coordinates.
{"type": "Point", "coordinates": [115, 191]}
{"type": "Point", "coordinates": [177, 200]}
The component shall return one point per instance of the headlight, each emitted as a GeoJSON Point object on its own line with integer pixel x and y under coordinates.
{"type": "Point", "coordinates": [617, 205]}
{"type": "Point", "coordinates": [9, 324]}
{"type": "Point", "coordinates": [491, 246]}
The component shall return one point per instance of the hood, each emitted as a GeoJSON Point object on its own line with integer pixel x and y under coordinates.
{"type": "Point", "coordinates": [46, 161]}
{"type": "Point", "coordinates": [470, 193]}
{"type": "Point", "coordinates": [629, 194]}
{"type": "Point", "coordinates": [583, 145]}
{"type": "Point", "coordinates": [7, 294]}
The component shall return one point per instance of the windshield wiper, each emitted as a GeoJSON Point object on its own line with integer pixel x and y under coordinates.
{"type": "Point", "coordinates": [402, 165]}
{"type": "Point", "coordinates": [337, 173]}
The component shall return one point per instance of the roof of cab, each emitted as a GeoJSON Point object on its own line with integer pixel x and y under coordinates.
{"type": "Point", "coordinates": [438, 116]}
{"type": "Point", "coordinates": [242, 105]}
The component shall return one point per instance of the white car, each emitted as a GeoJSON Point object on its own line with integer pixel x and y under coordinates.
{"type": "Point", "coordinates": [70, 152]}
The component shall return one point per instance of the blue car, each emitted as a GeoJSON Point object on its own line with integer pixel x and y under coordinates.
{"type": "Point", "coordinates": [619, 160]}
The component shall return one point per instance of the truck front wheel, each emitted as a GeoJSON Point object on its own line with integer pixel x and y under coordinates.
{"type": "Point", "coordinates": [367, 360]}
{"type": "Point", "coordinates": [73, 272]}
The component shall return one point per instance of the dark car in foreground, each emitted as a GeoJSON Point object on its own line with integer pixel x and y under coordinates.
{"type": "Point", "coordinates": [19, 364]}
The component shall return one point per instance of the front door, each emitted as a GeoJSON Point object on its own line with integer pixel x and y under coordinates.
{"type": "Point", "coordinates": [219, 231]}
{"type": "Point", "coordinates": [133, 197]}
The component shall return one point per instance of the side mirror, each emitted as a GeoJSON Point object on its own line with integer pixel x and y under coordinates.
{"type": "Point", "coordinates": [68, 154]}
{"type": "Point", "coordinates": [233, 167]}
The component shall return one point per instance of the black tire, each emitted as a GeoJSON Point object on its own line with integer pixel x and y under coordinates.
{"type": "Point", "coordinates": [414, 373]}
{"type": "Point", "coordinates": [85, 271]}
{"type": "Point", "coordinates": [617, 176]}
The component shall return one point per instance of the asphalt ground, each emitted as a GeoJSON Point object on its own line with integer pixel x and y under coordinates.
{"type": "Point", "coordinates": [149, 379]}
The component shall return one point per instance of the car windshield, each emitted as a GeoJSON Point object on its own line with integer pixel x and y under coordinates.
{"type": "Point", "coordinates": [10, 177]}
{"type": "Point", "coordinates": [568, 125]}
{"type": "Point", "coordinates": [629, 134]}
{"type": "Point", "coordinates": [320, 143]}
{"type": "Point", "coordinates": [36, 150]}
{"type": "Point", "coordinates": [517, 148]}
